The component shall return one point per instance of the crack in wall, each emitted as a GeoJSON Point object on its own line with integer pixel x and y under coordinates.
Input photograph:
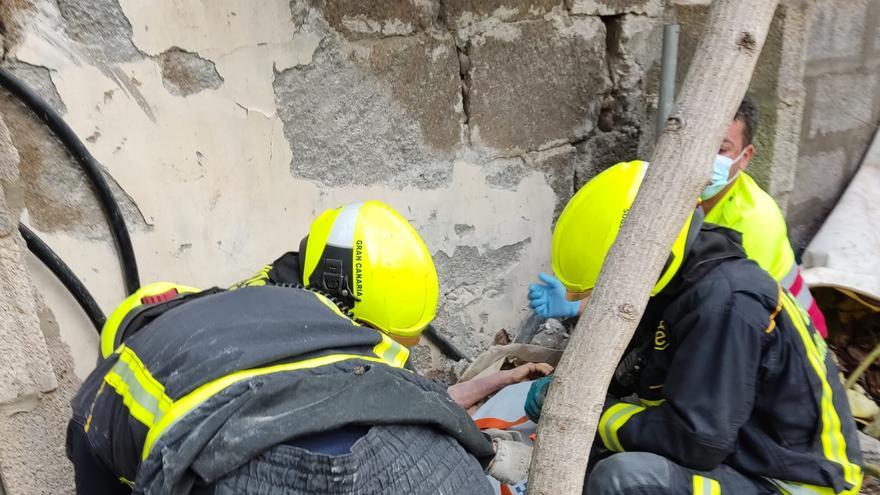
{"type": "Point", "coordinates": [464, 84]}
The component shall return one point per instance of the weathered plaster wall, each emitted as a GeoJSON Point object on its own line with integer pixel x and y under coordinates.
{"type": "Point", "coordinates": [842, 108]}
{"type": "Point", "coordinates": [225, 126]}
{"type": "Point", "coordinates": [37, 379]}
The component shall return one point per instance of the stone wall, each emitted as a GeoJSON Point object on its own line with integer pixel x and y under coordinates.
{"type": "Point", "coordinates": [36, 374]}
{"type": "Point", "coordinates": [225, 127]}
{"type": "Point", "coordinates": [842, 108]}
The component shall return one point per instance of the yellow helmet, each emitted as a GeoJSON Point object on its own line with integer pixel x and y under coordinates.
{"type": "Point", "coordinates": [588, 225]}
{"type": "Point", "coordinates": [368, 255]}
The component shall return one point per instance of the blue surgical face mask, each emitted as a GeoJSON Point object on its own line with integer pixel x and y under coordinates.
{"type": "Point", "coordinates": [720, 175]}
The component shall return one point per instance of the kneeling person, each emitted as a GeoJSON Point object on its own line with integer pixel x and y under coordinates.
{"type": "Point", "coordinates": [281, 389]}
{"type": "Point", "coordinates": [736, 390]}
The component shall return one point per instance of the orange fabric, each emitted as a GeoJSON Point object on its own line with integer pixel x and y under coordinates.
{"type": "Point", "coordinates": [505, 490]}
{"type": "Point", "coordinates": [498, 424]}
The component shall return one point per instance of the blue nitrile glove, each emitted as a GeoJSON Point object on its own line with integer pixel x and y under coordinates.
{"type": "Point", "coordinates": [548, 299]}
{"type": "Point", "coordinates": [535, 397]}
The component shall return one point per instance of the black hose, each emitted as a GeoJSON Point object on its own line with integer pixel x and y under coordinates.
{"type": "Point", "coordinates": [445, 345]}
{"type": "Point", "coordinates": [89, 166]}
{"type": "Point", "coordinates": [73, 284]}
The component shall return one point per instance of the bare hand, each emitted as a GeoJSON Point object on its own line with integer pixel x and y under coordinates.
{"type": "Point", "coordinates": [528, 371]}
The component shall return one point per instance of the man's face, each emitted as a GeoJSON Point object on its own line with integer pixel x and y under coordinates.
{"type": "Point", "coordinates": [733, 144]}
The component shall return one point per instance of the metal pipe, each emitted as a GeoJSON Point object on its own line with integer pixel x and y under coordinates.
{"type": "Point", "coordinates": [668, 64]}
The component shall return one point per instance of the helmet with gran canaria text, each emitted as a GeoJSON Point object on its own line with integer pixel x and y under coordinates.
{"type": "Point", "coordinates": [370, 257]}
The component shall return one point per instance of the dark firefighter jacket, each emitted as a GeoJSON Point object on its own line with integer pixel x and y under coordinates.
{"type": "Point", "coordinates": [214, 382]}
{"type": "Point", "coordinates": [734, 373]}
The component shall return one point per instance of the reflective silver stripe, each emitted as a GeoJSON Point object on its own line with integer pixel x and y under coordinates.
{"type": "Point", "coordinates": [793, 489]}
{"type": "Point", "coordinates": [390, 354]}
{"type": "Point", "coordinates": [143, 399]}
{"type": "Point", "coordinates": [611, 425]}
{"type": "Point", "coordinates": [804, 298]}
{"type": "Point", "coordinates": [342, 233]}
{"type": "Point", "coordinates": [789, 277]}
{"type": "Point", "coordinates": [705, 486]}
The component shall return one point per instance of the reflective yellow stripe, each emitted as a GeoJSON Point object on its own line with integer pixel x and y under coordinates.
{"type": "Point", "coordinates": [111, 326]}
{"type": "Point", "coordinates": [143, 396]}
{"type": "Point", "coordinates": [833, 441]}
{"type": "Point", "coordinates": [706, 486]}
{"type": "Point", "coordinates": [391, 351]}
{"type": "Point", "coordinates": [195, 398]}
{"type": "Point", "coordinates": [651, 403]}
{"type": "Point", "coordinates": [612, 420]}
{"type": "Point", "coordinates": [127, 482]}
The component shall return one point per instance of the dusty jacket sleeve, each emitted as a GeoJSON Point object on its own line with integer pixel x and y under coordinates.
{"type": "Point", "coordinates": [708, 393]}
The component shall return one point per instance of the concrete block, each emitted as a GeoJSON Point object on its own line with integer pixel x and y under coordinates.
{"type": "Point", "coordinates": [534, 84]}
{"type": "Point", "coordinates": [838, 29]}
{"type": "Point", "coordinates": [423, 74]}
{"type": "Point", "coordinates": [388, 113]}
{"type": "Point", "coordinates": [820, 180]}
{"type": "Point", "coordinates": [841, 102]}
{"type": "Point", "coordinates": [379, 17]}
{"type": "Point", "coordinates": [460, 13]}
{"type": "Point", "coordinates": [614, 7]}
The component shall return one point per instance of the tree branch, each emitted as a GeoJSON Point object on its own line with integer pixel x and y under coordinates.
{"type": "Point", "coordinates": [715, 84]}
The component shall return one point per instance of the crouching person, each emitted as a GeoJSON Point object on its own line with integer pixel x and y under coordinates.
{"type": "Point", "coordinates": [735, 390]}
{"type": "Point", "coordinates": [295, 388]}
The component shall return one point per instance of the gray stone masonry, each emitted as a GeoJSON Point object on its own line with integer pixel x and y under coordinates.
{"type": "Point", "coordinates": [36, 375]}
{"type": "Point", "coordinates": [517, 74]}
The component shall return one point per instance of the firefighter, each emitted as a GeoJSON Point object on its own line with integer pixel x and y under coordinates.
{"type": "Point", "coordinates": [735, 391]}
{"type": "Point", "coordinates": [283, 388]}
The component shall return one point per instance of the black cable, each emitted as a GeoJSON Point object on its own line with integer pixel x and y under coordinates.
{"type": "Point", "coordinates": [89, 166]}
{"type": "Point", "coordinates": [445, 345]}
{"type": "Point", "coordinates": [65, 275]}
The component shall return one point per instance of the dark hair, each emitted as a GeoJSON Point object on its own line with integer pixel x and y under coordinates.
{"type": "Point", "coordinates": [748, 115]}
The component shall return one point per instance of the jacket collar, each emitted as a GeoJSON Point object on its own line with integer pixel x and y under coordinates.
{"type": "Point", "coordinates": [711, 246]}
